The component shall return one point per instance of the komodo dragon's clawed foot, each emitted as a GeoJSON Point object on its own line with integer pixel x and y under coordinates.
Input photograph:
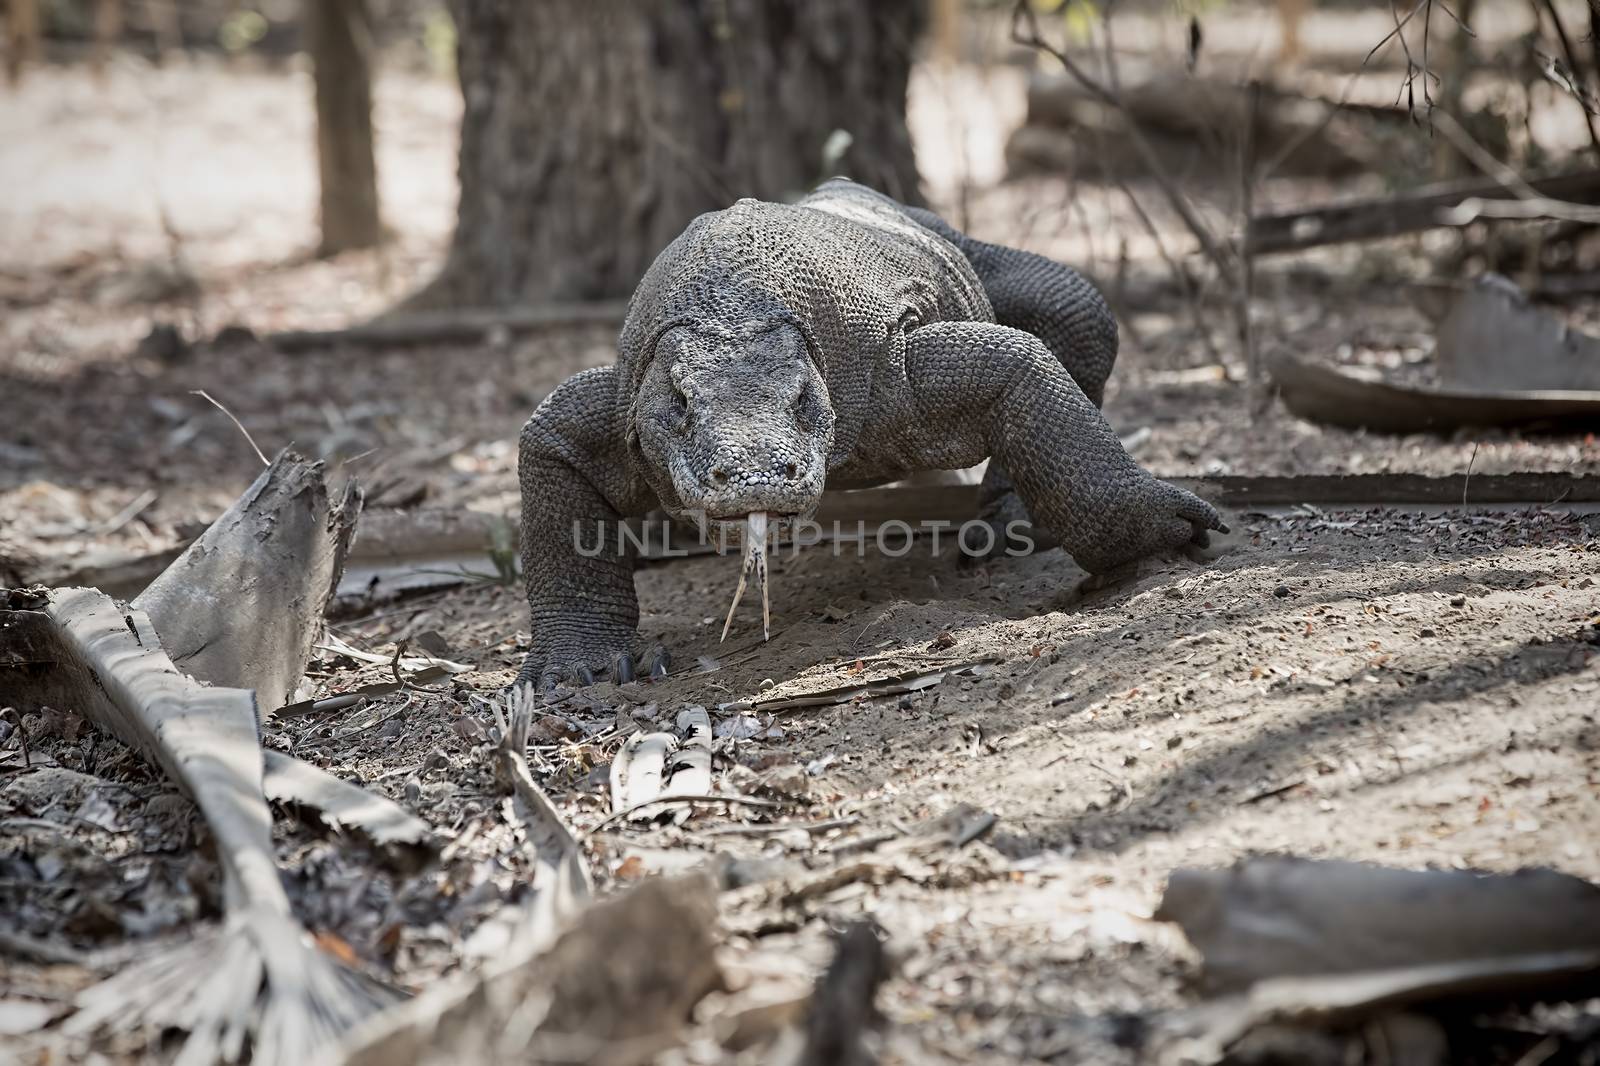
{"type": "Point", "coordinates": [584, 666]}
{"type": "Point", "coordinates": [1159, 519]}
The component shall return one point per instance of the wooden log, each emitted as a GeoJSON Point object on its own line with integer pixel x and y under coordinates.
{"type": "Point", "coordinates": [259, 977]}
{"type": "Point", "coordinates": [414, 551]}
{"type": "Point", "coordinates": [1418, 209]}
{"type": "Point", "coordinates": [1359, 398]}
{"type": "Point", "coordinates": [468, 326]}
{"type": "Point", "coordinates": [405, 840]}
{"type": "Point", "coordinates": [1190, 121]}
{"type": "Point", "coordinates": [243, 604]}
{"type": "Point", "coordinates": [1284, 917]}
{"type": "Point", "coordinates": [1396, 490]}
{"type": "Point", "coordinates": [615, 986]}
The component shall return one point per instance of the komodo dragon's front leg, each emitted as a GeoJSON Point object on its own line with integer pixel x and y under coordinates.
{"type": "Point", "coordinates": [575, 490]}
{"type": "Point", "coordinates": [1054, 303]}
{"type": "Point", "coordinates": [983, 389]}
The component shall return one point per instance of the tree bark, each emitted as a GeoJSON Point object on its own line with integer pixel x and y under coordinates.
{"type": "Point", "coordinates": [107, 28]}
{"type": "Point", "coordinates": [594, 130]}
{"type": "Point", "coordinates": [339, 37]}
{"type": "Point", "coordinates": [22, 37]}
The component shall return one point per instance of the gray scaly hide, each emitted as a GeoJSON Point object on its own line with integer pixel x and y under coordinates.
{"type": "Point", "coordinates": [843, 340]}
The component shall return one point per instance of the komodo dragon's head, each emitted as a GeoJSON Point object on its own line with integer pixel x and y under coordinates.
{"type": "Point", "coordinates": [734, 421]}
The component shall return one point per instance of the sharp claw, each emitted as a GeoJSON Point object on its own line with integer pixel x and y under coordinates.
{"type": "Point", "coordinates": [622, 668]}
{"type": "Point", "coordinates": [585, 675]}
{"type": "Point", "coordinates": [658, 669]}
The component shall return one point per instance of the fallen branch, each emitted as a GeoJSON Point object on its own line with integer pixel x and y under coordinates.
{"type": "Point", "coordinates": [1359, 398]}
{"type": "Point", "coordinates": [1428, 207]}
{"type": "Point", "coordinates": [843, 1015]}
{"type": "Point", "coordinates": [888, 685]}
{"type": "Point", "coordinates": [380, 555]}
{"type": "Point", "coordinates": [405, 838]}
{"type": "Point", "coordinates": [1297, 942]}
{"type": "Point", "coordinates": [259, 975]}
{"type": "Point", "coordinates": [661, 802]}
{"type": "Point", "coordinates": [616, 986]}
{"type": "Point", "coordinates": [1275, 917]}
{"type": "Point", "coordinates": [610, 982]}
{"type": "Point", "coordinates": [453, 327]}
{"type": "Point", "coordinates": [564, 880]}
{"type": "Point", "coordinates": [243, 604]}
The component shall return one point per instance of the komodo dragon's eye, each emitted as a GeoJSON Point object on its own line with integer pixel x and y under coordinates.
{"type": "Point", "coordinates": [806, 408]}
{"type": "Point", "coordinates": [678, 408]}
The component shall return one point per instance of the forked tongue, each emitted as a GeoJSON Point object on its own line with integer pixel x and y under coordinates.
{"type": "Point", "coordinates": [755, 558]}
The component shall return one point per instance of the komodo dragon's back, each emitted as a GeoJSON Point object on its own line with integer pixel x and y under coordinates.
{"type": "Point", "coordinates": [837, 263]}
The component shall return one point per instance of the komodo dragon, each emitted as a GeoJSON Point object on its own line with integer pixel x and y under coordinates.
{"type": "Point", "coordinates": [847, 340]}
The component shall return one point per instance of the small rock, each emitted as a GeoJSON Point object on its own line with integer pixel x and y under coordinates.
{"type": "Point", "coordinates": [1458, 601]}
{"type": "Point", "coordinates": [234, 335]}
{"type": "Point", "coordinates": [1426, 633]}
{"type": "Point", "coordinates": [471, 729]}
{"type": "Point", "coordinates": [164, 343]}
{"type": "Point", "coordinates": [50, 788]}
{"type": "Point", "coordinates": [740, 727]}
{"type": "Point", "coordinates": [19, 1017]}
{"type": "Point", "coordinates": [432, 642]}
{"type": "Point", "coordinates": [1281, 591]}
{"type": "Point", "coordinates": [767, 683]}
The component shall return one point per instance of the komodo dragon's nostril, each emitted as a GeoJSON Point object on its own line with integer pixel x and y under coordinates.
{"type": "Point", "coordinates": [719, 475]}
{"type": "Point", "coordinates": [791, 471]}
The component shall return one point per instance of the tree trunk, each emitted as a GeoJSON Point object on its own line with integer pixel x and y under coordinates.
{"type": "Point", "coordinates": [339, 36]}
{"type": "Point", "coordinates": [107, 28]}
{"type": "Point", "coordinates": [22, 37]}
{"type": "Point", "coordinates": [594, 130]}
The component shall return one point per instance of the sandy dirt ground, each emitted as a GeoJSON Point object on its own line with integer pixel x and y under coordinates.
{"type": "Point", "coordinates": [1406, 687]}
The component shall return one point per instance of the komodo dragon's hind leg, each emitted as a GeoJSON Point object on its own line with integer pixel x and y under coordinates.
{"type": "Point", "coordinates": [580, 583]}
{"type": "Point", "coordinates": [985, 389]}
{"type": "Point", "coordinates": [1040, 296]}
{"type": "Point", "coordinates": [1054, 303]}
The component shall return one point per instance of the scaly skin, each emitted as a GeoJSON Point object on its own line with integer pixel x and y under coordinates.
{"type": "Point", "coordinates": [845, 339]}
